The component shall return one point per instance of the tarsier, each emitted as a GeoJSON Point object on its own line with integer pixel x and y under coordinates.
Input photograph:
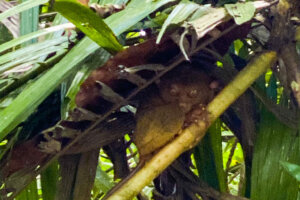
{"type": "Point", "coordinates": [179, 101]}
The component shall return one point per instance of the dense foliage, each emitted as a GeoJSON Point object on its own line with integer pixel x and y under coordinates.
{"type": "Point", "coordinates": [75, 76]}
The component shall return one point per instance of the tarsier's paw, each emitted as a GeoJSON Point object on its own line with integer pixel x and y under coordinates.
{"type": "Point", "coordinates": [198, 113]}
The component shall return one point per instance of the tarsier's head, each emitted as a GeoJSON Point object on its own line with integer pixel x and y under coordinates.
{"type": "Point", "coordinates": [188, 87]}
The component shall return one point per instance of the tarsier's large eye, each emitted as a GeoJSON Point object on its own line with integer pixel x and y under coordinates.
{"type": "Point", "coordinates": [193, 93]}
{"type": "Point", "coordinates": [174, 90]}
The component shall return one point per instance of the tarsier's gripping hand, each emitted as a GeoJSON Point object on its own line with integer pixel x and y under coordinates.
{"type": "Point", "coordinates": [183, 95]}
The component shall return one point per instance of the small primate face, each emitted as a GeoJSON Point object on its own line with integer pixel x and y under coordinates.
{"type": "Point", "coordinates": [187, 89]}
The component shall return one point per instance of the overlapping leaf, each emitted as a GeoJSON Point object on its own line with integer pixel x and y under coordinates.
{"type": "Point", "coordinates": [89, 23]}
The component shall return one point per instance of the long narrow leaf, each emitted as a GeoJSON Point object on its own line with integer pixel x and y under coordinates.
{"type": "Point", "coordinates": [21, 7]}
{"type": "Point", "coordinates": [133, 13]}
{"type": "Point", "coordinates": [29, 21]}
{"type": "Point", "coordinates": [275, 143]}
{"type": "Point", "coordinates": [89, 23]}
{"type": "Point", "coordinates": [49, 179]}
{"type": "Point", "coordinates": [209, 160]}
{"type": "Point", "coordinates": [30, 192]}
{"type": "Point", "coordinates": [30, 57]}
{"type": "Point", "coordinates": [32, 48]}
{"type": "Point", "coordinates": [216, 146]}
{"type": "Point", "coordinates": [36, 34]}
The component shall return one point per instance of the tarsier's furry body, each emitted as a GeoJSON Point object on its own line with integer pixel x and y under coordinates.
{"type": "Point", "coordinates": [161, 116]}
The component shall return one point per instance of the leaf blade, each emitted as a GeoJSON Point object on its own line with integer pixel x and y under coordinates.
{"type": "Point", "coordinates": [89, 23]}
{"type": "Point", "coordinates": [21, 7]}
{"type": "Point", "coordinates": [241, 12]}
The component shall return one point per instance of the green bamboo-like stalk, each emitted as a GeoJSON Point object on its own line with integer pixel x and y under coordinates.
{"type": "Point", "coordinates": [193, 134]}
